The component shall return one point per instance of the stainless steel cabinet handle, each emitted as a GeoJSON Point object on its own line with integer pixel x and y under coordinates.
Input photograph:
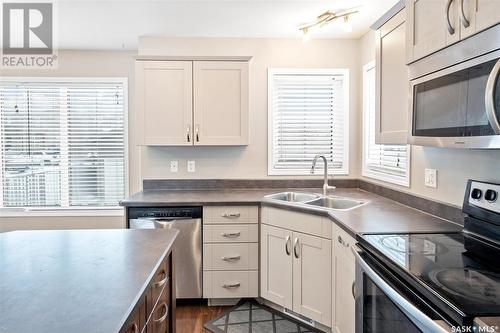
{"type": "Point", "coordinates": [231, 285]}
{"type": "Point", "coordinates": [197, 131]}
{"type": "Point", "coordinates": [450, 28]}
{"type": "Point", "coordinates": [342, 241]}
{"type": "Point", "coordinates": [162, 281]}
{"type": "Point", "coordinates": [417, 317]}
{"type": "Point", "coordinates": [231, 234]}
{"type": "Point", "coordinates": [295, 248]}
{"type": "Point", "coordinates": [164, 316]}
{"type": "Point", "coordinates": [353, 289]}
{"type": "Point", "coordinates": [463, 19]}
{"type": "Point", "coordinates": [231, 215]}
{"type": "Point", "coordinates": [489, 98]}
{"type": "Point", "coordinates": [133, 328]}
{"type": "Point", "coordinates": [287, 244]}
{"type": "Point", "coordinates": [188, 131]}
{"type": "Point", "coordinates": [233, 258]}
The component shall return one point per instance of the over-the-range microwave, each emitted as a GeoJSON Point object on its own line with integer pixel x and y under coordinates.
{"type": "Point", "coordinates": [455, 95]}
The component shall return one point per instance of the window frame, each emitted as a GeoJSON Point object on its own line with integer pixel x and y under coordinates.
{"type": "Point", "coordinates": [271, 171]}
{"type": "Point", "coordinates": [86, 211]}
{"type": "Point", "coordinates": [366, 171]}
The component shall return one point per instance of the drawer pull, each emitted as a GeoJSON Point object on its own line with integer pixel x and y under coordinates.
{"type": "Point", "coordinates": [231, 215]}
{"type": "Point", "coordinates": [231, 285]}
{"type": "Point", "coordinates": [343, 242]}
{"type": "Point", "coordinates": [231, 234]}
{"type": "Point", "coordinates": [133, 328]}
{"type": "Point", "coordinates": [296, 248]}
{"type": "Point", "coordinates": [233, 258]}
{"type": "Point", "coordinates": [164, 316]}
{"type": "Point", "coordinates": [162, 281]}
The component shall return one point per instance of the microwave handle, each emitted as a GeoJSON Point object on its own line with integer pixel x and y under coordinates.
{"type": "Point", "coordinates": [417, 317]}
{"type": "Point", "coordinates": [489, 98]}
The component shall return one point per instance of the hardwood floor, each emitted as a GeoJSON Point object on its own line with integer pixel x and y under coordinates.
{"type": "Point", "coordinates": [190, 317]}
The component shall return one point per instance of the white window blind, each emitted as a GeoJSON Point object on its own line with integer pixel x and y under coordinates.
{"type": "Point", "coordinates": [388, 163]}
{"type": "Point", "coordinates": [308, 115]}
{"type": "Point", "coordinates": [62, 143]}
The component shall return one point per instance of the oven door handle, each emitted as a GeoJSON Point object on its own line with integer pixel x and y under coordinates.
{"type": "Point", "coordinates": [418, 318]}
{"type": "Point", "coordinates": [489, 98]}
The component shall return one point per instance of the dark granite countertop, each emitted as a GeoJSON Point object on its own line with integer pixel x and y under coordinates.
{"type": "Point", "coordinates": [76, 280]}
{"type": "Point", "coordinates": [379, 215]}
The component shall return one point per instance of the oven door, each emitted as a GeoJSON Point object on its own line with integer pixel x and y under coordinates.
{"type": "Point", "coordinates": [458, 106]}
{"type": "Point", "coordinates": [384, 304]}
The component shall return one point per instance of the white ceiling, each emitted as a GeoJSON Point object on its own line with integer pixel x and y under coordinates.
{"type": "Point", "coordinates": [116, 24]}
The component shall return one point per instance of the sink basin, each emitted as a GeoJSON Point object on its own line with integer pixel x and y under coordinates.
{"type": "Point", "coordinates": [335, 203]}
{"type": "Point", "coordinates": [292, 196]}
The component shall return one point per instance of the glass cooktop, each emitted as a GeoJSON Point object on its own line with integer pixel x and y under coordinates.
{"type": "Point", "coordinates": [458, 268]}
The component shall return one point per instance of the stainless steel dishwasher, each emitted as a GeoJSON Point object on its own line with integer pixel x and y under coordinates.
{"type": "Point", "coordinates": [187, 255]}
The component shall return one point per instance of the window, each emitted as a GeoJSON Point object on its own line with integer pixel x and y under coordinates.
{"type": "Point", "coordinates": [308, 115]}
{"type": "Point", "coordinates": [388, 163]}
{"type": "Point", "coordinates": [62, 142]}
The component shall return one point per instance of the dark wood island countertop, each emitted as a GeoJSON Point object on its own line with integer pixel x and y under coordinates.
{"type": "Point", "coordinates": [77, 280]}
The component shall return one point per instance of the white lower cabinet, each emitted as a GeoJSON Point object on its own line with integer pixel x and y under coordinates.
{"type": "Point", "coordinates": [296, 272]}
{"type": "Point", "coordinates": [343, 272]}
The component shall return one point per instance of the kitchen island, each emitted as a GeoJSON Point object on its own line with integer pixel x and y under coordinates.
{"type": "Point", "coordinates": [87, 281]}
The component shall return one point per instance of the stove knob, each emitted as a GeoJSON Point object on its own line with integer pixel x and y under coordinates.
{"type": "Point", "coordinates": [491, 195]}
{"type": "Point", "coordinates": [476, 194]}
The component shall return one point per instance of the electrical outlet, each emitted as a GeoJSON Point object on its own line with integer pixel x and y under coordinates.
{"type": "Point", "coordinates": [191, 167]}
{"type": "Point", "coordinates": [431, 178]}
{"type": "Point", "coordinates": [174, 166]}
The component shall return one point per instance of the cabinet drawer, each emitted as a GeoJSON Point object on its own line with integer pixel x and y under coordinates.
{"type": "Point", "coordinates": [230, 214]}
{"type": "Point", "coordinates": [236, 233]}
{"type": "Point", "coordinates": [231, 257]}
{"type": "Point", "coordinates": [230, 284]}
{"type": "Point", "coordinates": [159, 320]}
{"type": "Point", "coordinates": [296, 221]}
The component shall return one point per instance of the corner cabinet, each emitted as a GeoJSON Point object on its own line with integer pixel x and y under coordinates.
{"type": "Point", "coordinates": [183, 103]}
{"type": "Point", "coordinates": [295, 265]}
{"type": "Point", "coordinates": [435, 24]}
{"type": "Point", "coordinates": [391, 116]}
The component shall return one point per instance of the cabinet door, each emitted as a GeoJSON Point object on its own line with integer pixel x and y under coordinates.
{"type": "Point", "coordinates": [481, 14]}
{"type": "Point", "coordinates": [427, 31]}
{"type": "Point", "coordinates": [344, 308]}
{"type": "Point", "coordinates": [220, 103]}
{"type": "Point", "coordinates": [312, 281]}
{"type": "Point", "coordinates": [391, 117]}
{"type": "Point", "coordinates": [164, 102]}
{"type": "Point", "coordinates": [276, 265]}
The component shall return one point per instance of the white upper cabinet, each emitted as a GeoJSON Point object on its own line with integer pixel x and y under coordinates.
{"type": "Point", "coordinates": [479, 15]}
{"type": "Point", "coordinates": [164, 102]}
{"type": "Point", "coordinates": [434, 24]}
{"type": "Point", "coordinates": [186, 103]}
{"type": "Point", "coordinates": [391, 116]}
{"type": "Point", "coordinates": [220, 103]}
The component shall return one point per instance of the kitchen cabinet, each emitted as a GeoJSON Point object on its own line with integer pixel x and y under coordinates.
{"type": "Point", "coordinates": [296, 269]}
{"type": "Point", "coordinates": [230, 252]}
{"type": "Point", "coordinates": [220, 103]}
{"type": "Point", "coordinates": [343, 272]}
{"type": "Point", "coordinates": [434, 24]}
{"type": "Point", "coordinates": [192, 103]}
{"type": "Point", "coordinates": [481, 14]}
{"type": "Point", "coordinates": [164, 102]}
{"type": "Point", "coordinates": [391, 115]}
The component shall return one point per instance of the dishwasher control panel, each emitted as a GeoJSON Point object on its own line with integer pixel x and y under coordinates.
{"type": "Point", "coordinates": [164, 212]}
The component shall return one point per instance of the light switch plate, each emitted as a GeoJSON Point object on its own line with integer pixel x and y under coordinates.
{"type": "Point", "coordinates": [174, 166]}
{"type": "Point", "coordinates": [431, 178]}
{"type": "Point", "coordinates": [191, 167]}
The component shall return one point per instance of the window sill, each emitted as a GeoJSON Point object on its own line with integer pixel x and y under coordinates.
{"type": "Point", "coordinates": [385, 178]}
{"type": "Point", "coordinates": [62, 212]}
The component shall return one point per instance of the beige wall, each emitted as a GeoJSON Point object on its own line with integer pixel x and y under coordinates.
{"type": "Point", "coordinates": [249, 161]}
{"type": "Point", "coordinates": [454, 166]}
{"type": "Point", "coordinates": [81, 63]}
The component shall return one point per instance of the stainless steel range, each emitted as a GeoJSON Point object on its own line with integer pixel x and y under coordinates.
{"type": "Point", "coordinates": [434, 282]}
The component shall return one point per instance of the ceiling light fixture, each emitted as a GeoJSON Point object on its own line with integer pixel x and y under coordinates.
{"type": "Point", "coordinates": [326, 18]}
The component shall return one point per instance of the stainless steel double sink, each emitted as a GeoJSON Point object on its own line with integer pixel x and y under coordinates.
{"type": "Point", "coordinates": [313, 200]}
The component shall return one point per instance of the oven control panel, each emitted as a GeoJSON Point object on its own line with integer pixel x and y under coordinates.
{"type": "Point", "coordinates": [485, 195]}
